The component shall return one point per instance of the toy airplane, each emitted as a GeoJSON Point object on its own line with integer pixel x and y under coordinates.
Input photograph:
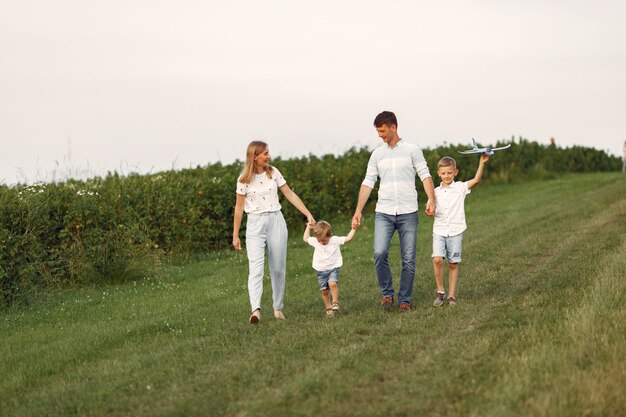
{"type": "Point", "coordinates": [486, 151]}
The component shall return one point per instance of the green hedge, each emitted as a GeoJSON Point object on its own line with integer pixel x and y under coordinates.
{"type": "Point", "coordinates": [119, 228]}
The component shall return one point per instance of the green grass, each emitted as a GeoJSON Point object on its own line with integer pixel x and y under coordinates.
{"type": "Point", "coordinates": [540, 329]}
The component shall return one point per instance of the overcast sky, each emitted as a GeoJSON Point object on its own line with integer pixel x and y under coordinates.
{"type": "Point", "coordinates": [142, 86]}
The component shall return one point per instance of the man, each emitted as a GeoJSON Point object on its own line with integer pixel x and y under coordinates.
{"type": "Point", "coordinates": [396, 163]}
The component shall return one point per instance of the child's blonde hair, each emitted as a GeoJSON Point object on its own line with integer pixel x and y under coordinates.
{"type": "Point", "coordinates": [254, 148]}
{"type": "Point", "coordinates": [322, 230]}
{"type": "Point", "coordinates": [446, 161]}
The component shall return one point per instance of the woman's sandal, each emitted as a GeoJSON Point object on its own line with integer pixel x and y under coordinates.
{"type": "Point", "coordinates": [255, 317]}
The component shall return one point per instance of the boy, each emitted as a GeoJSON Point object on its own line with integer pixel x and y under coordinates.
{"type": "Point", "coordinates": [327, 260]}
{"type": "Point", "coordinates": [450, 223]}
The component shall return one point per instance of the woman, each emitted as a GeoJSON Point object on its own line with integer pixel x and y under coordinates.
{"type": "Point", "coordinates": [257, 195]}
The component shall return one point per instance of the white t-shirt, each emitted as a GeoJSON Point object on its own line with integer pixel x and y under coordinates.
{"type": "Point", "coordinates": [327, 256]}
{"type": "Point", "coordinates": [262, 192]}
{"type": "Point", "coordinates": [450, 213]}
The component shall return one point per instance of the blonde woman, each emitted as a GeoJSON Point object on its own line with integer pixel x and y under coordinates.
{"type": "Point", "coordinates": [257, 195]}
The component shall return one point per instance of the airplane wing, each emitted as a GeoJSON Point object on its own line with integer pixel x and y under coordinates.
{"type": "Point", "coordinates": [470, 151]}
{"type": "Point", "coordinates": [499, 149]}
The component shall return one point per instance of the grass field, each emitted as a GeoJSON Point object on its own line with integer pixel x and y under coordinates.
{"type": "Point", "coordinates": [540, 329]}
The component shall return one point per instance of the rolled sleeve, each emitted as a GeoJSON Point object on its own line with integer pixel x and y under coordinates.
{"type": "Point", "coordinates": [420, 165]}
{"type": "Point", "coordinates": [371, 174]}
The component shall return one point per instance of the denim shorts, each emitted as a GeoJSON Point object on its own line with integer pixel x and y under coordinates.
{"type": "Point", "coordinates": [448, 247]}
{"type": "Point", "coordinates": [323, 277]}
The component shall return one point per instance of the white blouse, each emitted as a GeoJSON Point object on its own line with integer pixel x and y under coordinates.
{"type": "Point", "coordinates": [262, 192]}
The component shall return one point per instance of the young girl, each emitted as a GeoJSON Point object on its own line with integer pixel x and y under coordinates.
{"type": "Point", "coordinates": [257, 195]}
{"type": "Point", "coordinates": [327, 261]}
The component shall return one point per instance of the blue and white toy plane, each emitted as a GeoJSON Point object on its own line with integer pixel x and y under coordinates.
{"type": "Point", "coordinates": [486, 151]}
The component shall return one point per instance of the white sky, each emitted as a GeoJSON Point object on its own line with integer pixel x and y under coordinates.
{"type": "Point", "coordinates": [142, 86]}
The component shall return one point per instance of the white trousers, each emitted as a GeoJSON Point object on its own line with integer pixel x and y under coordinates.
{"type": "Point", "coordinates": [266, 230]}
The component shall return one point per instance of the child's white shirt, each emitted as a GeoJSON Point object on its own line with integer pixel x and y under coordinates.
{"type": "Point", "coordinates": [450, 212]}
{"type": "Point", "coordinates": [262, 192]}
{"type": "Point", "coordinates": [327, 256]}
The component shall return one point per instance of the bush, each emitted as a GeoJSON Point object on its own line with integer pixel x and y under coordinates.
{"type": "Point", "coordinates": [118, 228]}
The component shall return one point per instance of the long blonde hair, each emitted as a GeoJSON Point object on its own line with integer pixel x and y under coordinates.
{"type": "Point", "coordinates": [249, 170]}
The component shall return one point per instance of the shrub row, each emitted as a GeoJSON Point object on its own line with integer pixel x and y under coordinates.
{"type": "Point", "coordinates": [119, 228]}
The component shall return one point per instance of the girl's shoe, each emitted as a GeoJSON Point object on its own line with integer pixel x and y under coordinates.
{"type": "Point", "coordinates": [335, 307]}
{"type": "Point", "coordinates": [452, 301]}
{"type": "Point", "coordinates": [279, 314]}
{"type": "Point", "coordinates": [255, 317]}
{"type": "Point", "coordinates": [330, 313]}
{"type": "Point", "coordinates": [441, 296]}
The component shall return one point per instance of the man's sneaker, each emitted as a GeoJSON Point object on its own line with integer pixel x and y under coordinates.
{"type": "Point", "coordinates": [386, 303]}
{"type": "Point", "coordinates": [405, 308]}
{"type": "Point", "coordinates": [452, 301]}
{"type": "Point", "coordinates": [441, 296]}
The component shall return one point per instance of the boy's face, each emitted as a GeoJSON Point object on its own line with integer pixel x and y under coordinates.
{"type": "Point", "coordinates": [447, 174]}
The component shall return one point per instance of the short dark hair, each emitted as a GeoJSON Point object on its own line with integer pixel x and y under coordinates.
{"type": "Point", "coordinates": [386, 118]}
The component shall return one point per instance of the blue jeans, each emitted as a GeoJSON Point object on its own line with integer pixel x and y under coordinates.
{"type": "Point", "coordinates": [384, 228]}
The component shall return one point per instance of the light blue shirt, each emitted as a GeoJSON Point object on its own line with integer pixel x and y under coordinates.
{"type": "Point", "coordinates": [396, 168]}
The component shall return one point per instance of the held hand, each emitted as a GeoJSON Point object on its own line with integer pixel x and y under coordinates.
{"type": "Point", "coordinates": [430, 208]}
{"type": "Point", "coordinates": [236, 244]}
{"type": "Point", "coordinates": [310, 221]}
{"type": "Point", "coordinates": [356, 220]}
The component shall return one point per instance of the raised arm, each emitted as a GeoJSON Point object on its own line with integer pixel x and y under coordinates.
{"type": "Point", "coordinates": [479, 172]}
{"type": "Point", "coordinates": [364, 195]}
{"type": "Point", "coordinates": [350, 235]}
{"type": "Point", "coordinates": [307, 233]}
{"type": "Point", "coordinates": [237, 221]}
{"type": "Point", "coordinates": [297, 203]}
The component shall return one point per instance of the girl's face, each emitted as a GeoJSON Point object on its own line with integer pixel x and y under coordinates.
{"type": "Point", "coordinates": [323, 239]}
{"type": "Point", "coordinates": [262, 160]}
{"type": "Point", "coordinates": [447, 174]}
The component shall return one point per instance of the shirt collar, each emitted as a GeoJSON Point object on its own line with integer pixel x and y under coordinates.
{"type": "Point", "coordinates": [452, 184]}
{"type": "Point", "coordinates": [397, 144]}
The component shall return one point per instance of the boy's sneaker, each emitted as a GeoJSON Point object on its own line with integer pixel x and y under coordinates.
{"type": "Point", "coordinates": [386, 303]}
{"type": "Point", "coordinates": [335, 306]}
{"type": "Point", "coordinates": [441, 296]}
{"type": "Point", "coordinates": [452, 301]}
